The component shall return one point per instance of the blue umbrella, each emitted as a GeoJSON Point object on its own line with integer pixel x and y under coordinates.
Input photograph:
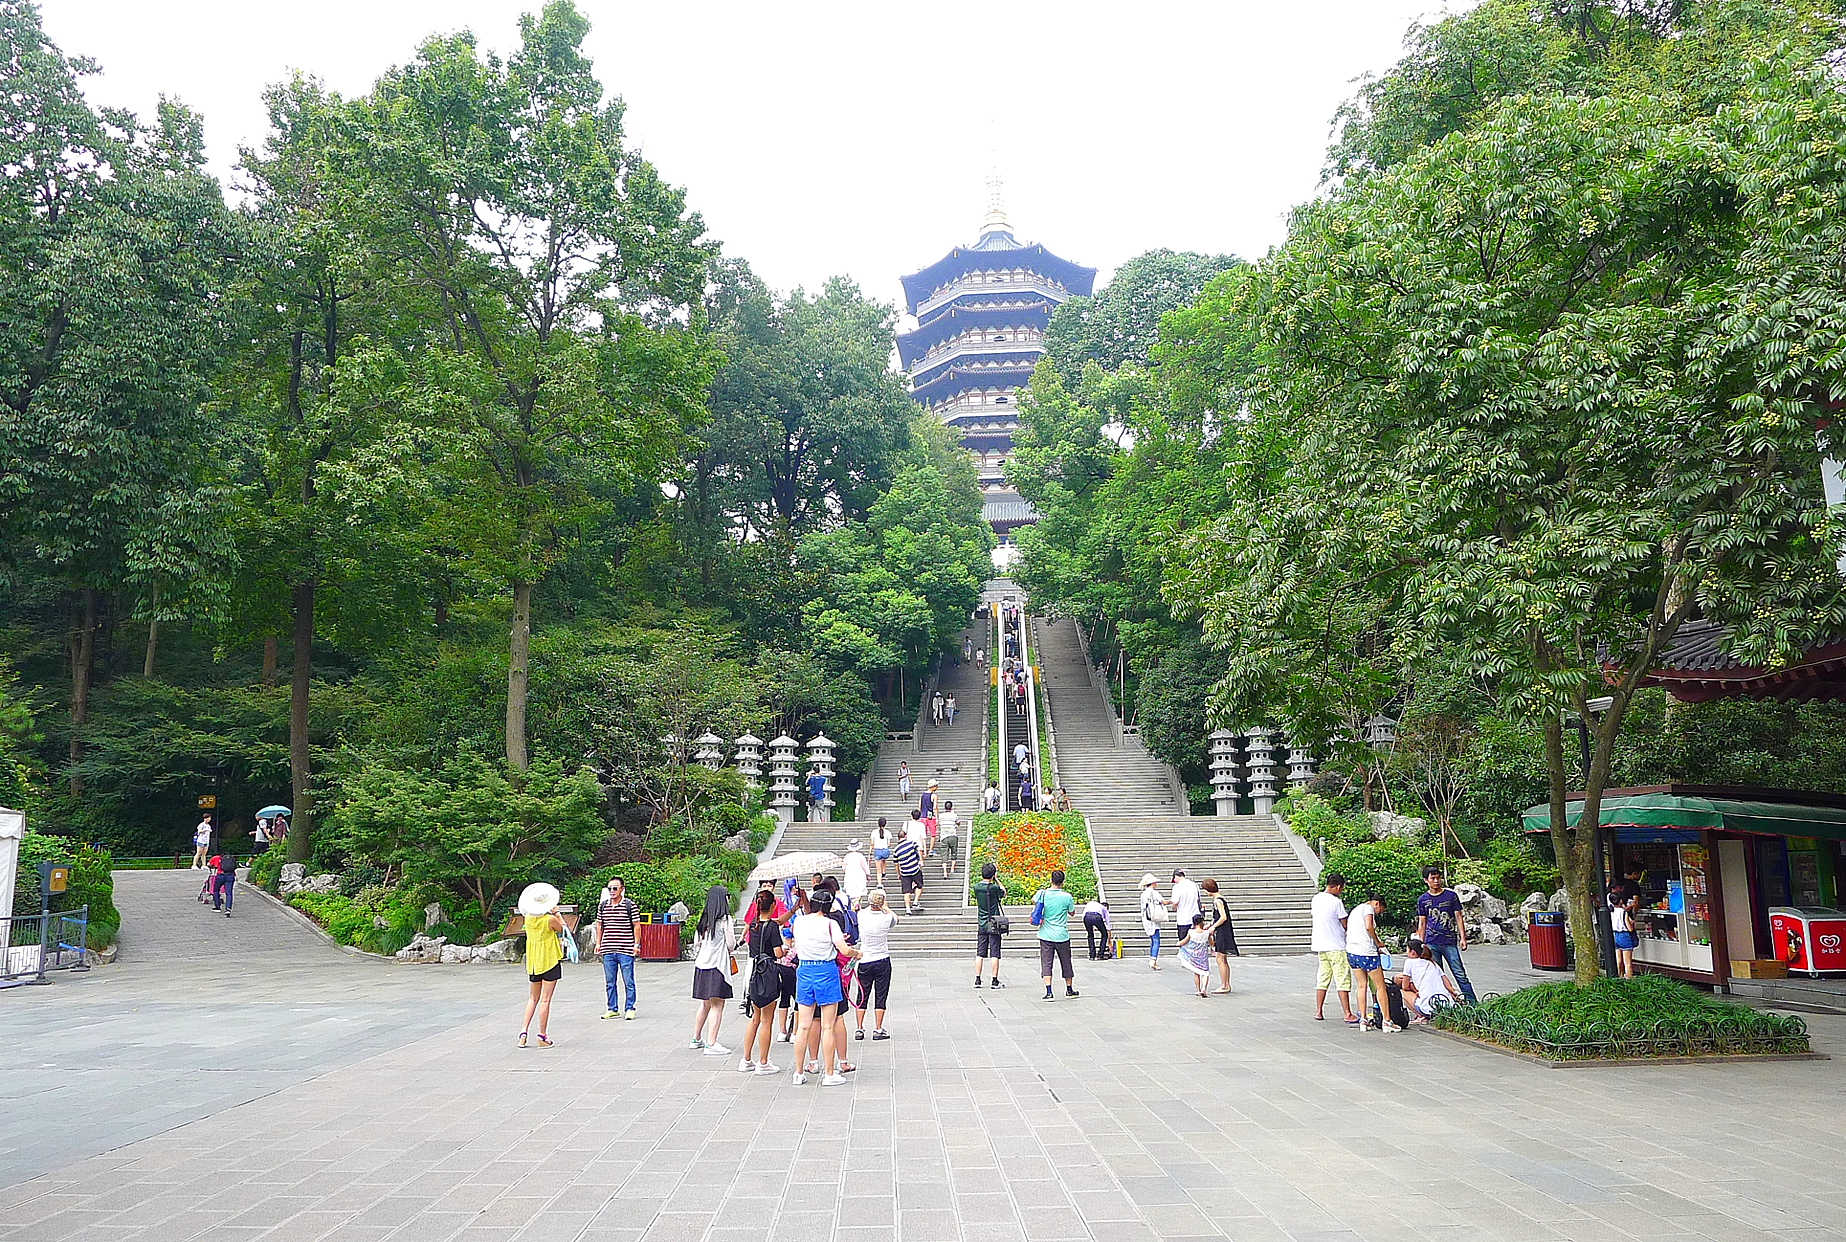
{"type": "Point", "coordinates": [268, 811]}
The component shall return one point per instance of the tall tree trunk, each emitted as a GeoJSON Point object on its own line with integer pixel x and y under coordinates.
{"type": "Point", "coordinates": [83, 661]}
{"type": "Point", "coordinates": [1573, 862]}
{"type": "Point", "coordinates": [300, 759]}
{"type": "Point", "coordinates": [518, 675]}
{"type": "Point", "coordinates": [269, 659]}
{"type": "Point", "coordinates": [153, 642]}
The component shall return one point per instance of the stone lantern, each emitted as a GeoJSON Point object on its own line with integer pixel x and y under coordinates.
{"type": "Point", "coordinates": [784, 793]}
{"type": "Point", "coordinates": [1381, 732]}
{"type": "Point", "coordinates": [1224, 771]}
{"type": "Point", "coordinates": [749, 759]}
{"type": "Point", "coordinates": [710, 752]}
{"type": "Point", "coordinates": [820, 763]}
{"type": "Point", "coordinates": [1262, 769]}
{"type": "Point", "coordinates": [1300, 767]}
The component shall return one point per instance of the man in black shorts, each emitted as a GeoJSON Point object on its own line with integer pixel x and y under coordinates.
{"type": "Point", "coordinates": [909, 861]}
{"type": "Point", "coordinates": [989, 896]}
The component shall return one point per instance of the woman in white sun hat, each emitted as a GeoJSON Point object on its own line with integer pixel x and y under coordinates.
{"type": "Point", "coordinates": [1153, 914]}
{"type": "Point", "coordinates": [544, 957]}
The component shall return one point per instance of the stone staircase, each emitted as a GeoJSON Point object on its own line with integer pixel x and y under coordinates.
{"type": "Point", "coordinates": [1140, 823]}
{"type": "Point", "coordinates": [1101, 777]}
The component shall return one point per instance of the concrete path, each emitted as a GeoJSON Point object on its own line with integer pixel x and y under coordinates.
{"type": "Point", "coordinates": [389, 1102]}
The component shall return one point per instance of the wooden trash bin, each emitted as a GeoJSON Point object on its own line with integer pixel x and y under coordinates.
{"type": "Point", "coordinates": [659, 942]}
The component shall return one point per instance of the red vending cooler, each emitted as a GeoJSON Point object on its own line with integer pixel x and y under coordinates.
{"type": "Point", "coordinates": [1809, 938]}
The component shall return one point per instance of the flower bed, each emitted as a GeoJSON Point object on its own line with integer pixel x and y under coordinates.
{"type": "Point", "coordinates": [1028, 846]}
{"type": "Point", "coordinates": [1623, 1019]}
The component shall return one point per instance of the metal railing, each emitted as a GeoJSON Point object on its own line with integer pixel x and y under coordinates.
{"type": "Point", "coordinates": [37, 944]}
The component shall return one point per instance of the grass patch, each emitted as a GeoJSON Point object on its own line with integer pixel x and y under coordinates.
{"type": "Point", "coordinates": [1649, 1016]}
{"type": "Point", "coordinates": [1028, 845]}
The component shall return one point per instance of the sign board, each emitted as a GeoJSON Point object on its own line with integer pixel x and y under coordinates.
{"type": "Point", "coordinates": [58, 879]}
{"type": "Point", "coordinates": [208, 802]}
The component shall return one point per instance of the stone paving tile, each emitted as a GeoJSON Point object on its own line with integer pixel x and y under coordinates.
{"type": "Point", "coordinates": [989, 1117]}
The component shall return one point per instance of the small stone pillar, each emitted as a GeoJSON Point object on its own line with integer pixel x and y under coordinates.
{"type": "Point", "coordinates": [820, 763]}
{"type": "Point", "coordinates": [1300, 767]}
{"type": "Point", "coordinates": [1263, 789]}
{"type": "Point", "coordinates": [710, 752]}
{"type": "Point", "coordinates": [1224, 771]}
{"type": "Point", "coordinates": [749, 759]}
{"type": "Point", "coordinates": [784, 793]}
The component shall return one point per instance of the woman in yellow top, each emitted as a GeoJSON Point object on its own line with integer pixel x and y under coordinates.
{"type": "Point", "coordinates": [544, 956]}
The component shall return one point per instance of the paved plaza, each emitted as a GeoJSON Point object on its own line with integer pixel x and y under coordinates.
{"type": "Point", "coordinates": [244, 1079]}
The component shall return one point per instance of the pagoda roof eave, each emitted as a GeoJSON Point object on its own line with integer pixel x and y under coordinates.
{"type": "Point", "coordinates": [918, 286]}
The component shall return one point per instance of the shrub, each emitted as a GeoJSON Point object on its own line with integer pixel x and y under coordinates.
{"type": "Point", "coordinates": [1391, 869]}
{"type": "Point", "coordinates": [266, 868]}
{"type": "Point", "coordinates": [655, 886]}
{"type": "Point", "coordinates": [1313, 817]}
{"type": "Point", "coordinates": [1027, 846]}
{"type": "Point", "coordinates": [91, 884]}
{"type": "Point", "coordinates": [1649, 1016]}
{"type": "Point", "coordinates": [618, 847]}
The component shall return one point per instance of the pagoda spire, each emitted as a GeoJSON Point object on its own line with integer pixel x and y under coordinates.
{"type": "Point", "coordinates": [996, 221]}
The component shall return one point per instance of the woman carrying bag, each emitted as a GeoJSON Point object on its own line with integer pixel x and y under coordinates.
{"type": "Point", "coordinates": [545, 953]}
{"type": "Point", "coordinates": [1153, 914]}
{"type": "Point", "coordinates": [712, 965]}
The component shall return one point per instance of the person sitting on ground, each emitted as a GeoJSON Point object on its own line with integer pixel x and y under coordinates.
{"type": "Point", "coordinates": [1424, 986]}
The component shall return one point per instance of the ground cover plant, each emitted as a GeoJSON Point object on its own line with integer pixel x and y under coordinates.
{"type": "Point", "coordinates": [1614, 1019]}
{"type": "Point", "coordinates": [1027, 846]}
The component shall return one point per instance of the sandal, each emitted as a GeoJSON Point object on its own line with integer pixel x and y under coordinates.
{"type": "Point", "coordinates": [845, 1067]}
{"type": "Point", "coordinates": [544, 1041]}
{"type": "Point", "coordinates": [522, 1039]}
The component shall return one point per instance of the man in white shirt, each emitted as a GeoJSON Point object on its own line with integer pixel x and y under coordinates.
{"type": "Point", "coordinates": [201, 842]}
{"type": "Point", "coordinates": [858, 873]}
{"type": "Point", "coordinates": [1329, 945]}
{"type": "Point", "coordinates": [1185, 902]}
{"type": "Point", "coordinates": [915, 833]}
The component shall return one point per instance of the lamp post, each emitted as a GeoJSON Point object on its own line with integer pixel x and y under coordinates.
{"type": "Point", "coordinates": [1605, 929]}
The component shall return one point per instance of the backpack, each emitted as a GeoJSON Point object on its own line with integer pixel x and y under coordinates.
{"type": "Point", "coordinates": [1394, 998]}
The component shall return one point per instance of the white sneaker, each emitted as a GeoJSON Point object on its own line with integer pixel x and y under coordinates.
{"type": "Point", "coordinates": [629, 1016]}
{"type": "Point", "coordinates": [833, 1080]}
{"type": "Point", "coordinates": [766, 1068]}
{"type": "Point", "coordinates": [798, 1078]}
{"type": "Point", "coordinates": [746, 1066]}
{"type": "Point", "coordinates": [717, 1050]}
{"type": "Point", "coordinates": [785, 1036]}
{"type": "Point", "coordinates": [696, 1044]}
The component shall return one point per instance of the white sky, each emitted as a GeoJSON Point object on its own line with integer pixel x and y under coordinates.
{"type": "Point", "coordinates": [821, 138]}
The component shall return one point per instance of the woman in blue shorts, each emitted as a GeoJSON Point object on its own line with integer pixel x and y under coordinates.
{"type": "Point", "coordinates": [818, 944]}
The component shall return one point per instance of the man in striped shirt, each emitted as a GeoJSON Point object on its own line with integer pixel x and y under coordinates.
{"type": "Point", "coordinates": [615, 940]}
{"type": "Point", "coordinates": [909, 861]}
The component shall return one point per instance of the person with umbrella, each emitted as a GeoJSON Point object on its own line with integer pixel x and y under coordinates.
{"type": "Point", "coordinates": [538, 904]}
{"type": "Point", "coordinates": [271, 824]}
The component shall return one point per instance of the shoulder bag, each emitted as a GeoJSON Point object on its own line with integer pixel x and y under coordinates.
{"type": "Point", "coordinates": [997, 922]}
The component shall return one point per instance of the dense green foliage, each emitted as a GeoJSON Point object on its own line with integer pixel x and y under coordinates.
{"type": "Point", "coordinates": [1541, 376]}
{"type": "Point", "coordinates": [90, 885]}
{"type": "Point", "coordinates": [442, 491]}
{"type": "Point", "coordinates": [1648, 1016]}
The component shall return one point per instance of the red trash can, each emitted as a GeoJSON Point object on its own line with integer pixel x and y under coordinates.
{"type": "Point", "coordinates": [1546, 938]}
{"type": "Point", "coordinates": [659, 942]}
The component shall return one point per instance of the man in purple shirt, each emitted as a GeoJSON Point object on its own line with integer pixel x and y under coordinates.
{"type": "Point", "coordinates": [1440, 926]}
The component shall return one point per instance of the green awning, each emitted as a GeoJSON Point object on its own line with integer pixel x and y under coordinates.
{"type": "Point", "coordinates": [1664, 810]}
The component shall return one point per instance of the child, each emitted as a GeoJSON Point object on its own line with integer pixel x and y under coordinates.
{"type": "Point", "coordinates": [1621, 921]}
{"type": "Point", "coordinates": [1195, 953]}
{"type": "Point", "coordinates": [1424, 986]}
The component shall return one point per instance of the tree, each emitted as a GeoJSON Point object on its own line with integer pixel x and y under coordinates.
{"type": "Point", "coordinates": [1546, 365]}
{"type": "Point", "coordinates": [115, 248]}
{"type": "Point", "coordinates": [1119, 325]}
{"type": "Point", "coordinates": [556, 273]}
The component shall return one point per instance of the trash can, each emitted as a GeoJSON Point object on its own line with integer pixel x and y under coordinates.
{"type": "Point", "coordinates": [1546, 938]}
{"type": "Point", "coordinates": [659, 942]}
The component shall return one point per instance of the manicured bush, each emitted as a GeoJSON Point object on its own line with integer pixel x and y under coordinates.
{"type": "Point", "coordinates": [1649, 1016]}
{"type": "Point", "coordinates": [1027, 846]}
{"type": "Point", "coordinates": [1392, 869]}
{"type": "Point", "coordinates": [655, 886]}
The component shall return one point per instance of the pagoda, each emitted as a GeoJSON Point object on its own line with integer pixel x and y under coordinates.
{"type": "Point", "coordinates": [981, 314]}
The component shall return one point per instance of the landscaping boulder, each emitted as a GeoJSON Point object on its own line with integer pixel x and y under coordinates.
{"type": "Point", "coordinates": [1560, 900]}
{"type": "Point", "coordinates": [422, 948]}
{"type": "Point", "coordinates": [292, 876]}
{"type": "Point", "coordinates": [498, 951]}
{"type": "Point", "coordinates": [1531, 905]}
{"type": "Point", "coordinates": [739, 841]}
{"type": "Point", "coordinates": [1385, 825]}
{"type": "Point", "coordinates": [455, 954]}
{"type": "Point", "coordinates": [434, 915]}
{"type": "Point", "coordinates": [1490, 933]}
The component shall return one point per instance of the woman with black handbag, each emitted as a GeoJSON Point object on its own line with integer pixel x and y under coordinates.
{"type": "Point", "coordinates": [765, 947]}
